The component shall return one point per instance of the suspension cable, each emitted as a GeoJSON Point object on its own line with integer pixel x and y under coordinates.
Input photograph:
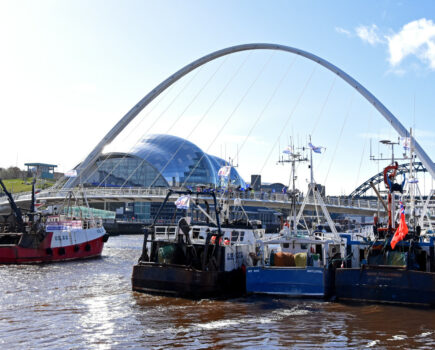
{"type": "Point", "coordinates": [229, 118]}
{"type": "Point", "coordinates": [108, 154]}
{"type": "Point", "coordinates": [340, 134]}
{"type": "Point", "coordinates": [323, 106]}
{"type": "Point", "coordinates": [260, 115]}
{"type": "Point", "coordinates": [288, 119]}
{"type": "Point", "coordinates": [364, 148]}
{"type": "Point", "coordinates": [201, 119]}
{"type": "Point", "coordinates": [149, 128]}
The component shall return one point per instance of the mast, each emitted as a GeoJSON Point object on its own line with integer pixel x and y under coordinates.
{"type": "Point", "coordinates": [293, 158]}
{"type": "Point", "coordinates": [15, 209]}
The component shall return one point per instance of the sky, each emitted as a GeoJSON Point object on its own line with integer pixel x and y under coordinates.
{"type": "Point", "coordinates": [70, 70]}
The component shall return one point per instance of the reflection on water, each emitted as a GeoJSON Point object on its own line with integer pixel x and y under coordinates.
{"type": "Point", "coordinates": [89, 304]}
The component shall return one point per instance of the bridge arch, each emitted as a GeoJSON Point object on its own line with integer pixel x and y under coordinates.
{"type": "Point", "coordinates": [110, 136]}
{"type": "Point", "coordinates": [403, 168]}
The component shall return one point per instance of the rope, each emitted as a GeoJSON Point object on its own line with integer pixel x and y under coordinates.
{"type": "Point", "coordinates": [339, 136]}
{"type": "Point", "coordinates": [230, 116]}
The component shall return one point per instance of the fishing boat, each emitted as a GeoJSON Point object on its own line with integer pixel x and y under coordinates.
{"type": "Point", "coordinates": [196, 259]}
{"type": "Point", "coordinates": [300, 263]}
{"type": "Point", "coordinates": [39, 238]}
{"type": "Point", "coordinates": [396, 266]}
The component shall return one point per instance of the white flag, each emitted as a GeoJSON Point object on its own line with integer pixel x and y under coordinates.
{"type": "Point", "coordinates": [71, 173]}
{"type": "Point", "coordinates": [183, 202]}
{"type": "Point", "coordinates": [406, 143]}
{"type": "Point", "coordinates": [224, 171]}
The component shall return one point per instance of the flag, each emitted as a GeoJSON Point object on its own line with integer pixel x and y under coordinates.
{"type": "Point", "coordinates": [406, 143]}
{"type": "Point", "coordinates": [315, 149]}
{"type": "Point", "coordinates": [402, 230]}
{"type": "Point", "coordinates": [71, 173]}
{"type": "Point", "coordinates": [224, 171]}
{"type": "Point", "coordinates": [288, 151]}
{"type": "Point", "coordinates": [183, 202]}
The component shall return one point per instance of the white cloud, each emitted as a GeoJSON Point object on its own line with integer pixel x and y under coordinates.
{"type": "Point", "coordinates": [416, 38]}
{"type": "Point", "coordinates": [369, 34]}
{"type": "Point", "coordinates": [343, 31]}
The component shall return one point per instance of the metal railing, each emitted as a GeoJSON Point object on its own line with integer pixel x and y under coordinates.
{"type": "Point", "coordinates": [247, 196]}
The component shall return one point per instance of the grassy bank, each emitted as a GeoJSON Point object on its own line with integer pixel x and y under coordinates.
{"type": "Point", "coordinates": [20, 185]}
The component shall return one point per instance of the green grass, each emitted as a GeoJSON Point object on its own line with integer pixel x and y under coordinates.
{"type": "Point", "coordinates": [18, 185]}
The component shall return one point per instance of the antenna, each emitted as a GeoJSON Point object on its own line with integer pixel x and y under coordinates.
{"type": "Point", "coordinates": [293, 158]}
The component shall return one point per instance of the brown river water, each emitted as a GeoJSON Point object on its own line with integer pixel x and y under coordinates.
{"type": "Point", "coordinates": [90, 305]}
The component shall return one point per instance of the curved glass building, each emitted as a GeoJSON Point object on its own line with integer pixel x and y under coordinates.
{"type": "Point", "coordinates": [160, 161]}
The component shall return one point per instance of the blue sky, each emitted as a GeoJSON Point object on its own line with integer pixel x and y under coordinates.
{"type": "Point", "coordinates": [71, 69]}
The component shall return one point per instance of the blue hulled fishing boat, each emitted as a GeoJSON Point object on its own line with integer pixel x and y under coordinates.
{"type": "Point", "coordinates": [397, 266]}
{"type": "Point", "coordinates": [298, 263]}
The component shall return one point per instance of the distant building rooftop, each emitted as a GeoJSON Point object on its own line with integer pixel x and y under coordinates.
{"type": "Point", "coordinates": [42, 170]}
{"type": "Point", "coordinates": [41, 165]}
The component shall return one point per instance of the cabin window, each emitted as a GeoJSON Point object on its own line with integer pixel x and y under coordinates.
{"type": "Point", "coordinates": [160, 230]}
{"type": "Point", "coordinates": [171, 230]}
{"type": "Point", "coordinates": [304, 246]}
{"type": "Point", "coordinates": [234, 236]}
{"type": "Point", "coordinates": [286, 245]}
{"type": "Point", "coordinates": [242, 235]}
{"type": "Point", "coordinates": [195, 233]}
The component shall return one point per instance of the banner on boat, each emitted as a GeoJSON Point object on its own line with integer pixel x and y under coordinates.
{"type": "Point", "coordinates": [183, 202]}
{"type": "Point", "coordinates": [71, 173]}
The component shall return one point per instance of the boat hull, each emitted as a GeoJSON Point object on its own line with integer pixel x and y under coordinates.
{"type": "Point", "coordinates": [15, 254]}
{"type": "Point", "coordinates": [182, 281]}
{"type": "Point", "coordinates": [386, 285]}
{"type": "Point", "coordinates": [313, 282]}
{"type": "Point", "coordinates": [54, 246]}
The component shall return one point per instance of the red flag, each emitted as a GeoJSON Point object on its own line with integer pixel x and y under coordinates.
{"type": "Point", "coordinates": [402, 230]}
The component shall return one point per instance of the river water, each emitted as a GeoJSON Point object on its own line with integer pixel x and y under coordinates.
{"type": "Point", "coordinates": [90, 305]}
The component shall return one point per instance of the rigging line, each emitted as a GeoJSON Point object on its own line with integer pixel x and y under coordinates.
{"type": "Point", "coordinates": [364, 148]}
{"type": "Point", "coordinates": [323, 106]}
{"type": "Point", "coordinates": [202, 117]}
{"type": "Point", "coordinates": [288, 119]}
{"type": "Point", "coordinates": [109, 154]}
{"type": "Point", "coordinates": [229, 117]}
{"type": "Point", "coordinates": [156, 120]}
{"type": "Point", "coordinates": [339, 136]}
{"type": "Point", "coordinates": [284, 76]}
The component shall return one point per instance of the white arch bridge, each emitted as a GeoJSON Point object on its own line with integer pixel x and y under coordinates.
{"type": "Point", "coordinates": [84, 167]}
{"type": "Point", "coordinates": [277, 200]}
